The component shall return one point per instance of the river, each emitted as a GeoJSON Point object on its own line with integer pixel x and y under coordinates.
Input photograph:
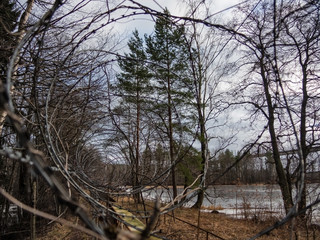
{"type": "Point", "coordinates": [248, 201]}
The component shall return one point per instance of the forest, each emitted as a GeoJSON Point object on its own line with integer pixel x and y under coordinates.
{"type": "Point", "coordinates": [95, 112]}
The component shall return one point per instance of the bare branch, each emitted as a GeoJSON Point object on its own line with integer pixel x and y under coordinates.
{"type": "Point", "coordinates": [49, 216]}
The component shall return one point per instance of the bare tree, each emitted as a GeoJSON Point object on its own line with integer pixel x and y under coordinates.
{"type": "Point", "coordinates": [56, 117]}
{"type": "Point", "coordinates": [208, 66]}
{"type": "Point", "coordinates": [276, 44]}
{"type": "Point", "coordinates": [14, 37]}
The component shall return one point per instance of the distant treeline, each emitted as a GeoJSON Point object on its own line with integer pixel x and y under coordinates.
{"type": "Point", "coordinates": [250, 170]}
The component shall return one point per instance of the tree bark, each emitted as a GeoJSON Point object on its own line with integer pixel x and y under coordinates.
{"type": "Point", "coordinates": [33, 217]}
{"type": "Point", "coordinates": [303, 134]}
{"type": "Point", "coordinates": [137, 157]}
{"type": "Point", "coordinates": [171, 143]}
{"type": "Point", "coordinates": [203, 143]}
{"type": "Point", "coordinates": [283, 181]}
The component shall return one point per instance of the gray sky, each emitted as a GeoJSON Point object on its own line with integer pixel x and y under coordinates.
{"type": "Point", "coordinates": [144, 24]}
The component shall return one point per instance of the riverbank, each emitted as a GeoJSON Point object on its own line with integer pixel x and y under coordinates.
{"type": "Point", "coordinates": [191, 224]}
{"type": "Point", "coordinates": [184, 222]}
{"type": "Point", "coordinates": [209, 223]}
{"type": "Point", "coordinates": [244, 201]}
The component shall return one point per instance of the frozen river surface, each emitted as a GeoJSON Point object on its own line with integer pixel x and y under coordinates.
{"type": "Point", "coordinates": [245, 200]}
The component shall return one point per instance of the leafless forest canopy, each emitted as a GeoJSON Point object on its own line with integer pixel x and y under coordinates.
{"type": "Point", "coordinates": [90, 113]}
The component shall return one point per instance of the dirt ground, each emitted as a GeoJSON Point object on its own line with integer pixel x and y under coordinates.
{"type": "Point", "coordinates": [182, 224]}
{"type": "Point", "coordinates": [219, 226]}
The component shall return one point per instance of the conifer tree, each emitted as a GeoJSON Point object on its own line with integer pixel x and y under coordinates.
{"type": "Point", "coordinates": [167, 51]}
{"type": "Point", "coordinates": [133, 86]}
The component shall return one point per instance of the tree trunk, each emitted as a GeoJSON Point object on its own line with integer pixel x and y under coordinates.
{"type": "Point", "coordinates": [304, 150]}
{"type": "Point", "coordinates": [200, 199]}
{"type": "Point", "coordinates": [171, 142]}
{"type": "Point", "coordinates": [203, 142]}
{"type": "Point", "coordinates": [34, 203]}
{"type": "Point", "coordinates": [137, 147]}
{"type": "Point", "coordinates": [283, 181]}
{"type": "Point", "coordinates": [201, 109]}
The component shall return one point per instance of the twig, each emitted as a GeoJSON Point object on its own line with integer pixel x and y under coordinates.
{"type": "Point", "coordinates": [49, 216]}
{"type": "Point", "coordinates": [182, 195]}
{"type": "Point", "coordinates": [54, 220]}
{"type": "Point", "coordinates": [292, 213]}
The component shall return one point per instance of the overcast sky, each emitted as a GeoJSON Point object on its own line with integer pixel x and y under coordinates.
{"type": "Point", "coordinates": [144, 24]}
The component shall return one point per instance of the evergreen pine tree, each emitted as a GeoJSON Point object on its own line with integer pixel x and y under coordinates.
{"type": "Point", "coordinates": [133, 86]}
{"type": "Point", "coordinates": [167, 51]}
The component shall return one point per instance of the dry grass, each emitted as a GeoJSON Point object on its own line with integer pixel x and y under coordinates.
{"type": "Point", "coordinates": [57, 231]}
{"type": "Point", "coordinates": [224, 227]}
{"type": "Point", "coordinates": [212, 208]}
{"type": "Point", "coordinates": [182, 225]}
